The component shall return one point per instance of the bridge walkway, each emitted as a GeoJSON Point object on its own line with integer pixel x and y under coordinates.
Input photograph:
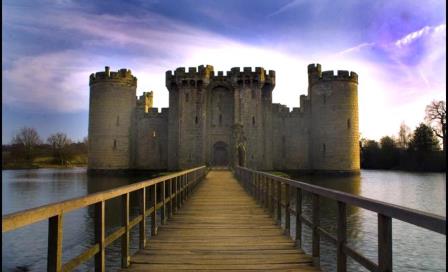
{"type": "Point", "coordinates": [220, 227]}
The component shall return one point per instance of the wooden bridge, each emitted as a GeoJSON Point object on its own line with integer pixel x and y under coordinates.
{"type": "Point", "coordinates": [220, 227]}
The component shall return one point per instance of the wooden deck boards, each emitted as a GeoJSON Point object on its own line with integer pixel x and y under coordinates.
{"type": "Point", "coordinates": [220, 228]}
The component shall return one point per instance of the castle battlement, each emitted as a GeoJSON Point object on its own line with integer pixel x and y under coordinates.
{"type": "Point", "coordinates": [153, 113]}
{"type": "Point", "coordinates": [315, 74]}
{"type": "Point", "coordinates": [283, 111]}
{"type": "Point", "coordinates": [203, 74]}
{"type": "Point", "coordinates": [123, 75]}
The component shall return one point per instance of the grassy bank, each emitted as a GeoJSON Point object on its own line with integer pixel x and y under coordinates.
{"type": "Point", "coordinates": [46, 162]}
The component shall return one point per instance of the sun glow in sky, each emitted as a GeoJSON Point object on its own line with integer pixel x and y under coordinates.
{"type": "Point", "coordinates": [398, 49]}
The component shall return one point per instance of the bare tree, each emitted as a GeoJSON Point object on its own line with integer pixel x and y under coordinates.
{"type": "Point", "coordinates": [436, 118]}
{"type": "Point", "coordinates": [404, 136]}
{"type": "Point", "coordinates": [28, 138]}
{"type": "Point", "coordinates": [59, 141]}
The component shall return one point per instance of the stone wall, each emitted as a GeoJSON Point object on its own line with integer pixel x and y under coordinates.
{"type": "Point", "coordinates": [151, 139]}
{"type": "Point", "coordinates": [111, 107]}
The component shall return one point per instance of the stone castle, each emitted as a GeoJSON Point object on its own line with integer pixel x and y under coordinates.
{"type": "Point", "coordinates": [224, 120]}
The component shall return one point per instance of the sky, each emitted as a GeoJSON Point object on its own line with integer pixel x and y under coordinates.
{"type": "Point", "coordinates": [398, 49]}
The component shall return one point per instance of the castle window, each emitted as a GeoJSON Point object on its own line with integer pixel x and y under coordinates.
{"type": "Point", "coordinates": [253, 94]}
{"type": "Point", "coordinates": [253, 120]}
{"type": "Point", "coordinates": [220, 119]}
{"type": "Point", "coordinates": [154, 133]}
{"type": "Point", "coordinates": [187, 97]}
{"type": "Point", "coordinates": [324, 99]}
{"type": "Point", "coordinates": [196, 120]}
{"type": "Point", "coordinates": [324, 149]}
{"type": "Point", "coordinates": [348, 123]}
{"type": "Point", "coordinates": [192, 82]}
{"type": "Point", "coordinates": [118, 121]}
{"type": "Point", "coordinates": [115, 145]}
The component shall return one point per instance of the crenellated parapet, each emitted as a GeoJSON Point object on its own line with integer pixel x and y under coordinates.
{"type": "Point", "coordinates": [123, 76]}
{"type": "Point", "coordinates": [203, 75]}
{"type": "Point", "coordinates": [315, 75]}
{"type": "Point", "coordinates": [283, 111]}
{"type": "Point", "coordinates": [153, 113]}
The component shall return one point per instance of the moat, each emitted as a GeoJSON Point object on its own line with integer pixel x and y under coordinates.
{"type": "Point", "coordinates": [415, 249]}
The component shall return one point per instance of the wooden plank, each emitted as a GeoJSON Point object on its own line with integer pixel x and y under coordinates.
{"type": "Point", "coordinates": [100, 232]}
{"type": "Point", "coordinates": [142, 228]}
{"type": "Point", "coordinates": [81, 258]}
{"type": "Point", "coordinates": [341, 257]}
{"type": "Point", "coordinates": [241, 236]}
{"type": "Point", "coordinates": [154, 213]}
{"type": "Point", "coordinates": [384, 243]}
{"type": "Point", "coordinates": [125, 258]}
{"type": "Point", "coordinates": [315, 231]}
{"type": "Point", "coordinates": [287, 212]}
{"type": "Point", "coordinates": [298, 217]}
{"type": "Point", "coordinates": [54, 257]}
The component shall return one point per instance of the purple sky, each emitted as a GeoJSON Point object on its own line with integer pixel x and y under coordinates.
{"type": "Point", "coordinates": [398, 48]}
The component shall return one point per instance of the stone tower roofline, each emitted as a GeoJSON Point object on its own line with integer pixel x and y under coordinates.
{"type": "Point", "coordinates": [315, 75]}
{"type": "Point", "coordinates": [121, 76]}
{"type": "Point", "coordinates": [204, 74]}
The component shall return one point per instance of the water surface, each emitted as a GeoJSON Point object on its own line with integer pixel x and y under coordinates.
{"type": "Point", "coordinates": [414, 248]}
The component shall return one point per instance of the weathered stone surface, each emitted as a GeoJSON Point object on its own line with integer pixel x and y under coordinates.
{"type": "Point", "coordinates": [224, 118]}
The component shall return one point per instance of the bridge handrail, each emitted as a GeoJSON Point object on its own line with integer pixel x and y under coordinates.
{"type": "Point", "coordinates": [183, 183]}
{"type": "Point", "coordinates": [258, 184]}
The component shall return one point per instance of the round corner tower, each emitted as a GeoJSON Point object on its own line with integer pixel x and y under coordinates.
{"type": "Point", "coordinates": [111, 108]}
{"type": "Point", "coordinates": [334, 120]}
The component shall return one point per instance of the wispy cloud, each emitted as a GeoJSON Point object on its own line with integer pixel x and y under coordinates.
{"type": "Point", "coordinates": [290, 5]}
{"type": "Point", "coordinates": [418, 34]}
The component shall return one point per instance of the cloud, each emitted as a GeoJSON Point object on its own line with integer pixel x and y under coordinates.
{"type": "Point", "coordinates": [287, 7]}
{"type": "Point", "coordinates": [52, 82]}
{"type": "Point", "coordinates": [418, 34]}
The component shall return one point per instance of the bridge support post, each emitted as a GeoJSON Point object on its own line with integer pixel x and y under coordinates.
{"type": "Point", "coordinates": [125, 257]}
{"type": "Point", "coordinates": [384, 243]}
{"type": "Point", "coordinates": [279, 203]}
{"type": "Point", "coordinates": [100, 233]}
{"type": "Point", "coordinates": [341, 257]}
{"type": "Point", "coordinates": [170, 192]}
{"type": "Point", "coordinates": [316, 235]}
{"type": "Point", "coordinates": [142, 236]}
{"type": "Point", "coordinates": [163, 193]}
{"type": "Point", "coordinates": [272, 185]}
{"type": "Point", "coordinates": [54, 257]}
{"type": "Point", "coordinates": [287, 211]}
{"type": "Point", "coordinates": [299, 217]}
{"type": "Point", "coordinates": [154, 213]}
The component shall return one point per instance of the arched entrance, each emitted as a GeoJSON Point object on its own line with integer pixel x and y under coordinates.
{"type": "Point", "coordinates": [220, 154]}
{"type": "Point", "coordinates": [241, 156]}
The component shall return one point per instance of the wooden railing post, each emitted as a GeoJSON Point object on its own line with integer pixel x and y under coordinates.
{"type": "Point", "coordinates": [279, 203]}
{"type": "Point", "coordinates": [177, 190]}
{"type": "Point", "coordinates": [100, 233]}
{"type": "Point", "coordinates": [54, 257]}
{"type": "Point", "coordinates": [316, 236]}
{"type": "Point", "coordinates": [341, 257]}
{"type": "Point", "coordinates": [384, 243]}
{"type": "Point", "coordinates": [299, 217]}
{"type": "Point", "coordinates": [142, 236]}
{"type": "Point", "coordinates": [125, 257]}
{"type": "Point", "coordinates": [154, 213]}
{"type": "Point", "coordinates": [287, 211]}
{"type": "Point", "coordinates": [265, 192]}
{"type": "Point", "coordinates": [272, 185]}
{"type": "Point", "coordinates": [163, 193]}
{"type": "Point", "coordinates": [170, 192]}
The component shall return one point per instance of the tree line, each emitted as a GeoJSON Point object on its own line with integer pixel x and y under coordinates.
{"type": "Point", "coordinates": [416, 151]}
{"type": "Point", "coordinates": [27, 149]}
